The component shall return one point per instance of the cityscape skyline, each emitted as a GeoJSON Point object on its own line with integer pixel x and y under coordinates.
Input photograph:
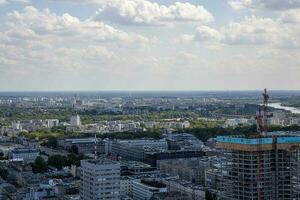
{"type": "Point", "coordinates": [140, 45]}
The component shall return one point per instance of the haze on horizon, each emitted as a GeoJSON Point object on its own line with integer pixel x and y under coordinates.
{"type": "Point", "coordinates": [94, 45]}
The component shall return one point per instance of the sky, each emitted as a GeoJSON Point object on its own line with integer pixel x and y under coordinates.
{"type": "Point", "coordinates": [58, 45]}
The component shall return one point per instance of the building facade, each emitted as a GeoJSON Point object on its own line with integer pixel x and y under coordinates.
{"type": "Point", "coordinates": [26, 154]}
{"type": "Point", "coordinates": [100, 179]}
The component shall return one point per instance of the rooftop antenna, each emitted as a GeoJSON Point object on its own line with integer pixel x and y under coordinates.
{"type": "Point", "coordinates": [95, 147]}
{"type": "Point", "coordinates": [263, 115]}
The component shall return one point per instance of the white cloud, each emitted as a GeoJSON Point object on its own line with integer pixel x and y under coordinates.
{"type": "Point", "coordinates": [291, 16]}
{"type": "Point", "coordinates": [204, 33]}
{"type": "Point", "coordinates": [11, 1]}
{"type": "Point", "coordinates": [265, 4]}
{"type": "Point", "coordinates": [34, 37]}
{"type": "Point", "coordinates": [142, 12]}
{"type": "Point", "coordinates": [250, 31]}
{"type": "Point", "coordinates": [42, 23]}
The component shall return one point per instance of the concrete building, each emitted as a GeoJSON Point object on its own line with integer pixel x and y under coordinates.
{"type": "Point", "coordinates": [100, 179]}
{"type": "Point", "coordinates": [134, 149]}
{"type": "Point", "coordinates": [16, 125]}
{"type": "Point", "coordinates": [75, 120]}
{"type": "Point", "coordinates": [85, 145]}
{"type": "Point", "coordinates": [192, 169]}
{"type": "Point", "coordinates": [174, 195]}
{"type": "Point", "coordinates": [153, 157]}
{"type": "Point", "coordinates": [213, 179]}
{"type": "Point", "coordinates": [185, 188]}
{"type": "Point", "coordinates": [267, 167]}
{"type": "Point", "coordinates": [149, 151]}
{"type": "Point", "coordinates": [51, 123]}
{"type": "Point", "coordinates": [28, 155]}
{"type": "Point", "coordinates": [145, 189]}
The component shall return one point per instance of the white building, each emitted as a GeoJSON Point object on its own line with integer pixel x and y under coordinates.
{"type": "Point", "coordinates": [51, 123]}
{"type": "Point", "coordinates": [28, 155]}
{"type": "Point", "coordinates": [16, 125]}
{"type": "Point", "coordinates": [100, 179]}
{"type": "Point", "coordinates": [144, 190]}
{"type": "Point", "coordinates": [75, 120]}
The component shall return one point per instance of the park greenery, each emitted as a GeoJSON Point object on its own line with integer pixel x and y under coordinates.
{"type": "Point", "coordinates": [39, 165]}
{"type": "Point", "coordinates": [57, 161]}
{"type": "Point", "coordinates": [17, 113]}
{"type": "Point", "coordinates": [202, 129]}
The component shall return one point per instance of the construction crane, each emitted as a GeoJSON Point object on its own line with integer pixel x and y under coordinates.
{"type": "Point", "coordinates": [262, 116]}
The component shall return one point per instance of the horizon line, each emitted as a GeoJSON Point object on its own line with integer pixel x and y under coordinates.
{"type": "Point", "coordinates": [213, 90]}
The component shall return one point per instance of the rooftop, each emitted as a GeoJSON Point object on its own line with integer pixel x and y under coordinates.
{"type": "Point", "coordinates": [256, 141]}
{"type": "Point", "coordinates": [100, 161]}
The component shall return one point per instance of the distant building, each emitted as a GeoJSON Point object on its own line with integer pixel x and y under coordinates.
{"type": "Point", "coordinates": [134, 149]}
{"type": "Point", "coordinates": [51, 123]}
{"type": "Point", "coordinates": [100, 179]}
{"type": "Point", "coordinates": [28, 155]}
{"type": "Point", "coordinates": [152, 157]}
{"type": "Point", "coordinates": [16, 125]}
{"type": "Point", "coordinates": [85, 145]}
{"type": "Point", "coordinates": [75, 120]}
{"type": "Point", "coordinates": [149, 151]}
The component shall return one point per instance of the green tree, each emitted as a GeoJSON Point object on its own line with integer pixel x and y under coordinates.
{"type": "Point", "coordinates": [57, 161]}
{"type": "Point", "coordinates": [52, 142]}
{"type": "Point", "coordinates": [74, 149]}
{"type": "Point", "coordinates": [3, 173]}
{"type": "Point", "coordinates": [74, 159]}
{"type": "Point", "coordinates": [39, 165]}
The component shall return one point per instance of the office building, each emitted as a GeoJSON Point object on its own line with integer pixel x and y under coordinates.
{"type": "Point", "coordinates": [25, 154]}
{"type": "Point", "coordinates": [85, 145]}
{"type": "Point", "coordinates": [100, 179]}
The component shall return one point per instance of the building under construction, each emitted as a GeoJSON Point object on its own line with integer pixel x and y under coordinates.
{"type": "Point", "coordinates": [261, 168]}
{"type": "Point", "coordinates": [264, 167]}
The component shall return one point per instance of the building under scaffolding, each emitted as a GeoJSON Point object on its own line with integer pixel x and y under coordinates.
{"type": "Point", "coordinates": [261, 168]}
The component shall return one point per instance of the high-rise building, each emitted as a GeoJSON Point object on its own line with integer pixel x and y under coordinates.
{"type": "Point", "coordinates": [267, 167]}
{"type": "Point", "coordinates": [100, 179]}
{"type": "Point", "coordinates": [75, 120]}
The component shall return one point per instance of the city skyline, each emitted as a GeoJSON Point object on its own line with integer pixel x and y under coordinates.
{"type": "Point", "coordinates": [149, 45]}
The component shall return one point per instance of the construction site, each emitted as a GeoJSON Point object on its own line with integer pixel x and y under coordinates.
{"type": "Point", "coordinates": [263, 167]}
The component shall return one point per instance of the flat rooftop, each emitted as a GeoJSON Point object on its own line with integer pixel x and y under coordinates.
{"type": "Point", "coordinates": [100, 161]}
{"type": "Point", "coordinates": [258, 144]}
{"type": "Point", "coordinates": [256, 141]}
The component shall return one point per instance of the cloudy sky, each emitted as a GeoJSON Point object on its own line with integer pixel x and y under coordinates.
{"type": "Point", "coordinates": [149, 44]}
